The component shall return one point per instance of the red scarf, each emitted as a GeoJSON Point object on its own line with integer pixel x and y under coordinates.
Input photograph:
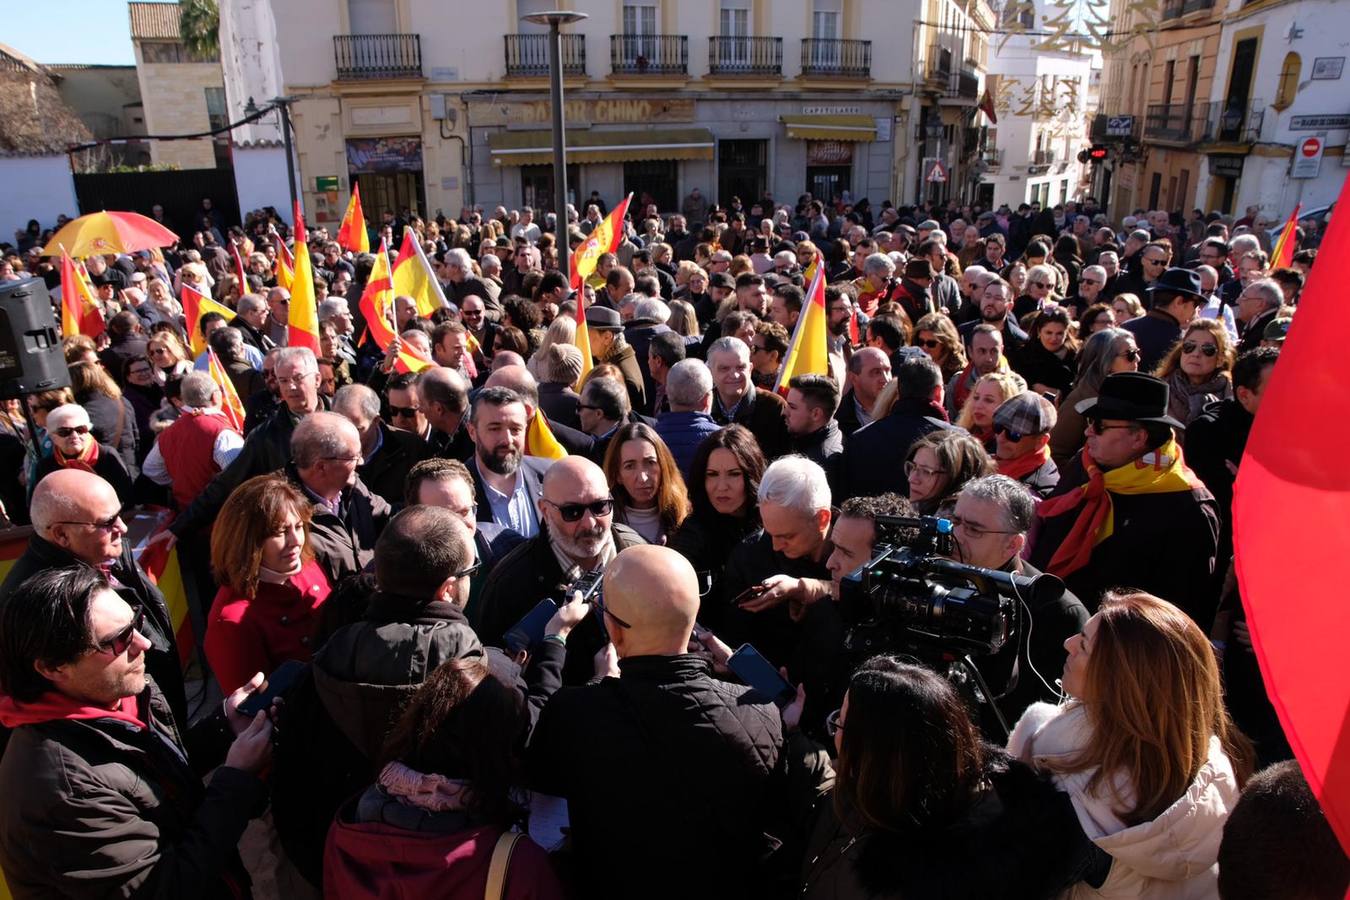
{"type": "Point", "coordinates": [86, 460]}
{"type": "Point", "coordinates": [52, 706]}
{"type": "Point", "coordinates": [1022, 466]}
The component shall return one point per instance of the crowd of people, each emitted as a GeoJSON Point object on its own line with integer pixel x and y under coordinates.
{"type": "Point", "coordinates": [410, 642]}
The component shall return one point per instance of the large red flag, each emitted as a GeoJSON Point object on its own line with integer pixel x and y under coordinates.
{"type": "Point", "coordinates": [1291, 512]}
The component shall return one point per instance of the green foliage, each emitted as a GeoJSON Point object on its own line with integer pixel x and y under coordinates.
{"type": "Point", "coordinates": [199, 26]}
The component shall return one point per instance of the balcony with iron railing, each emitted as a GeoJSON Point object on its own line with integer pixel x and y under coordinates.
{"type": "Point", "coordinates": [992, 159]}
{"type": "Point", "coordinates": [833, 58]}
{"type": "Point", "coordinates": [649, 54]}
{"type": "Point", "coordinates": [964, 85]}
{"type": "Point", "coordinates": [527, 55]}
{"type": "Point", "coordinates": [743, 55]}
{"type": "Point", "coordinates": [941, 62]}
{"type": "Point", "coordinates": [1176, 123]}
{"type": "Point", "coordinates": [1041, 161]}
{"type": "Point", "coordinates": [1233, 123]}
{"type": "Point", "coordinates": [362, 57]}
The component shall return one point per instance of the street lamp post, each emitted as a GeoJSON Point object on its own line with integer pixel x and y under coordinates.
{"type": "Point", "coordinates": [283, 105]}
{"type": "Point", "coordinates": [555, 19]}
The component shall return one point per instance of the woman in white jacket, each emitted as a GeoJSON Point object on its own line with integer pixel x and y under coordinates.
{"type": "Point", "coordinates": [1144, 749]}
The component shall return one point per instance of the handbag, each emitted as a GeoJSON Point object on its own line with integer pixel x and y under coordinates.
{"type": "Point", "coordinates": [500, 865]}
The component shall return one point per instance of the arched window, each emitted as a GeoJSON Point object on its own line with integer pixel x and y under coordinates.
{"type": "Point", "coordinates": [1288, 84]}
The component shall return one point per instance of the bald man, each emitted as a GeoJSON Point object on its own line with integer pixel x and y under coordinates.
{"type": "Point", "coordinates": [75, 447]}
{"type": "Point", "coordinates": [77, 519]}
{"type": "Point", "coordinates": [577, 534]}
{"type": "Point", "coordinates": [665, 768]}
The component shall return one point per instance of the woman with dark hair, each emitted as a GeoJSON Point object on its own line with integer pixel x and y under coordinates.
{"type": "Point", "coordinates": [937, 335]}
{"type": "Point", "coordinates": [446, 803]}
{"type": "Point", "coordinates": [1066, 253]}
{"type": "Point", "coordinates": [111, 415]}
{"type": "Point", "coordinates": [921, 808]}
{"type": "Point", "coordinates": [1049, 359]}
{"type": "Point", "coordinates": [1094, 319]}
{"type": "Point", "coordinates": [1145, 749]}
{"type": "Point", "coordinates": [939, 464]}
{"type": "Point", "coordinates": [271, 589]}
{"type": "Point", "coordinates": [144, 395]}
{"type": "Point", "coordinates": [1106, 352]}
{"type": "Point", "coordinates": [723, 486]}
{"type": "Point", "coordinates": [511, 338]}
{"type": "Point", "coordinates": [648, 490]}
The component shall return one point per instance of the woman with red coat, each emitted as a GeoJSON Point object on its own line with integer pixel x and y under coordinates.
{"type": "Point", "coordinates": [267, 609]}
{"type": "Point", "coordinates": [439, 818]}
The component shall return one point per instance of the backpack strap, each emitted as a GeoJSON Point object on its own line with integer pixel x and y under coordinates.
{"type": "Point", "coordinates": [501, 863]}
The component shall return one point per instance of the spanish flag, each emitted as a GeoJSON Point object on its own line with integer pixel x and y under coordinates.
{"type": "Point", "coordinates": [583, 339]}
{"type": "Point", "coordinates": [352, 233]}
{"type": "Point", "coordinates": [229, 405]}
{"type": "Point", "coordinates": [539, 439]}
{"type": "Point", "coordinates": [284, 268]}
{"type": "Point", "coordinates": [604, 239]}
{"type": "Point", "coordinates": [304, 318]}
{"type": "Point", "coordinates": [413, 276]}
{"type": "Point", "coordinates": [809, 351]}
{"type": "Point", "coordinates": [80, 312]}
{"type": "Point", "coordinates": [239, 268]}
{"type": "Point", "coordinates": [1283, 254]}
{"type": "Point", "coordinates": [377, 302]}
{"type": "Point", "coordinates": [195, 306]}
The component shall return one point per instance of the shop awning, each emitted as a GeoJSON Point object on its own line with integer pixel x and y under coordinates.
{"type": "Point", "coordinates": [831, 128]}
{"type": "Point", "coordinates": [535, 148]}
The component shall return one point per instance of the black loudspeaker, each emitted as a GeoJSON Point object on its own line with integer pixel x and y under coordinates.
{"type": "Point", "coordinates": [30, 344]}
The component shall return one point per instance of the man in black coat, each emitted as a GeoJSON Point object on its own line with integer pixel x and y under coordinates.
{"type": "Point", "coordinates": [872, 456]}
{"type": "Point", "coordinates": [996, 309]}
{"type": "Point", "coordinates": [1257, 306]}
{"type": "Point", "coordinates": [1164, 521]}
{"type": "Point", "coordinates": [809, 412]}
{"type": "Point", "coordinates": [388, 454]}
{"type": "Point", "coordinates": [737, 401]}
{"type": "Point", "coordinates": [1176, 297]}
{"type": "Point", "coordinates": [668, 728]}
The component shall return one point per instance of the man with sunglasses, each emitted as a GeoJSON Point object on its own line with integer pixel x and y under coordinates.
{"type": "Point", "coordinates": [576, 534]}
{"type": "Point", "coordinates": [101, 795]}
{"type": "Point", "coordinates": [1022, 426]}
{"type": "Point", "coordinates": [77, 520]}
{"type": "Point", "coordinates": [1175, 297]}
{"type": "Point", "coordinates": [1127, 509]}
{"type": "Point", "coordinates": [74, 447]}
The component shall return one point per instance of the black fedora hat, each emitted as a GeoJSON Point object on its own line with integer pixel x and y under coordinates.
{"type": "Point", "coordinates": [1180, 281]}
{"type": "Point", "coordinates": [1132, 396]}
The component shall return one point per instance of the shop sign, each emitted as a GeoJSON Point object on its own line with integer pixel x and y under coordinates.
{"type": "Point", "coordinates": [1224, 165]}
{"type": "Point", "coordinates": [829, 153]}
{"type": "Point", "coordinates": [326, 183]}
{"type": "Point", "coordinates": [387, 154]}
{"type": "Point", "coordinates": [1318, 123]}
{"type": "Point", "coordinates": [831, 110]}
{"type": "Point", "coordinates": [582, 113]}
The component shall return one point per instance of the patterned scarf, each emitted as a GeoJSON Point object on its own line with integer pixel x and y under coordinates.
{"type": "Point", "coordinates": [86, 459]}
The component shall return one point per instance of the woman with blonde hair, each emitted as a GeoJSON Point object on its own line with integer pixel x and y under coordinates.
{"type": "Point", "coordinates": [168, 357]}
{"type": "Point", "coordinates": [1144, 748]}
{"type": "Point", "coordinates": [1198, 370]}
{"type": "Point", "coordinates": [977, 414]}
{"type": "Point", "coordinates": [937, 335]}
{"type": "Point", "coordinates": [562, 330]}
{"type": "Point", "coordinates": [648, 490]}
{"type": "Point", "coordinates": [683, 319]}
{"type": "Point", "coordinates": [1126, 307]}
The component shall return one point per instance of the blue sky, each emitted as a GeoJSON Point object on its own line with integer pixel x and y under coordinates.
{"type": "Point", "coordinates": [70, 31]}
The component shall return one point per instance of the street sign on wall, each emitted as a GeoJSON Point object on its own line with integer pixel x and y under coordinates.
{"type": "Point", "coordinates": [934, 172]}
{"type": "Point", "coordinates": [1120, 126]}
{"type": "Point", "coordinates": [1308, 157]}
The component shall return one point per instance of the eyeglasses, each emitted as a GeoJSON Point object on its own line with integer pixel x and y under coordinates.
{"type": "Point", "coordinates": [71, 430]}
{"type": "Point", "coordinates": [1131, 354]}
{"type": "Point", "coordinates": [118, 643]}
{"type": "Point", "coordinates": [930, 344]}
{"type": "Point", "coordinates": [572, 512]}
{"type": "Point", "coordinates": [1038, 284]}
{"type": "Point", "coordinates": [347, 459]}
{"type": "Point", "coordinates": [599, 602]}
{"type": "Point", "coordinates": [911, 467]}
{"type": "Point", "coordinates": [1100, 427]}
{"type": "Point", "coordinates": [156, 351]}
{"type": "Point", "coordinates": [469, 572]}
{"type": "Point", "coordinates": [832, 724]}
{"type": "Point", "coordinates": [974, 530]}
{"type": "Point", "coordinates": [107, 524]}
{"type": "Point", "coordinates": [1013, 436]}
{"type": "Point", "coordinates": [1209, 350]}
{"type": "Point", "coordinates": [759, 348]}
{"type": "Point", "coordinates": [1156, 261]}
{"type": "Point", "coordinates": [403, 412]}
{"type": "Point", "coordinates": [295, 380]}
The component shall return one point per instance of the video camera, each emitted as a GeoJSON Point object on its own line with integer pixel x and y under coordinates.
{"type": "Point", "coordinates": [910, 598]}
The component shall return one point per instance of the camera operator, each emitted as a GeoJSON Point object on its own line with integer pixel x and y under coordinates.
{"type": "Point", "coordinates": [990, 525]}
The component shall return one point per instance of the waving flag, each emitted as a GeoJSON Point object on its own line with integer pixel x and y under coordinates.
{"type": "Point", "coordinates": [352, 233]}
{"type": "Point", "coordinates": [539, 439]}
{"type": "Point", "coordinates": [1283, 255]}
{"type": "Point", "coordinates": [377, 303]}
{"type": "Point", "coordinates": [414, 277]}
{"type": "Point", "coordinates": [195, 306]}
{"type": "Point", "coordinates": [284, 267]}
{"type": "Point", "coordinates": [809, 351]}
{"type": "Point", "coordinates": [583, 340]}
{"type": "Point", "coordinates": [303, 330]}
{"type": "Point", "coordinates": [604, 239]}
{"type": "Point", "coordinates": [1291, 521]}
{"type": "Point", "coordinates": [986, 106]}
{"type": "Point", "coordinates": [229, 397]}
{"type": "Point", "coordinates": [80, 312]}
{"type": "Point", "coordinates": [239, 268]}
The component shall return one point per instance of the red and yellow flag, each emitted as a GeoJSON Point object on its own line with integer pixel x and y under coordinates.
{"type": "Point", "coordinates": [162, 565]}
{"type": "Point", "coordinates": [195, 306]}
{"type": "Point", "coordinates": [413, 276]}
{"type": "Point", "coordinates": [377, 305]}
{"type": "Point", "coordinates": [352, 233]}
{"type": "Point", "coordinates": [303, 330]}
{"type": "Point", "coordinates": [809, 351]}
{"type": "Point", "coordinates": [229, 397]}
{"type": "Point", "coordinates": [80, 312]}
{"type": "Point", "coordinates": [239, 269]}
{"type": "Point", "coordinates": [539, 439]}
{"type": "Point", "coordinates": [604, 239]}
{"type": "Point", "coordinates": [1283, 255]}
{"type": "Point", "coordinates": [583, 340]}
{"type": "Point", "coordinates": [284, 267]}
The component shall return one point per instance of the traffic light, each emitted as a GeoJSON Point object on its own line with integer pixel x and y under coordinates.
{"type": "Point", "coordinates": [1097, 153]}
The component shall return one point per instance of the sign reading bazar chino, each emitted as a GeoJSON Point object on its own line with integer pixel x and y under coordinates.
{"type": "Point", "coordinates": [581, 113]}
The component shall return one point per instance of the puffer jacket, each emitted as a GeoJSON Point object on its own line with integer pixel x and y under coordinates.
{"type": "Point", "coordinates": [1172, 857]}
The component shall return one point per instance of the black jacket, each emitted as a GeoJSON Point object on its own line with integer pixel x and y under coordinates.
{"type": "Point", "coordinates": [1215, 439]}
{"type": "Point", "coordinates": [1162, 543]}
{"type": "Point", "coordinates": [847, 415]}
{"type": "Point", "coordinates": [760, 411]}
{"type": "Point", "coordinates": [1042, 481]}
{"type": "Point", "coordinates": [133, 586]}
{"type": "Point", "coordinates": [707, 539]}
{"type": "Point", "coordinates": [344, 542]}
{"type": "Point", "coordinates": [772, 631]}
{"type": "Point", "coordinates": [113, 422]}
{"type": "Point", "coordinates": [109, 467]}
{"type": "Point", "coordinates": [1020, 840]}
{"type": "Point", "coordinates": [1014, 338]}
{"type": "Point", "coordinates": [824, 447]}
{"type": "Point", "coordinates": [1039, 366]}
{"type": "Point", "coordinates": [1254, 331]}
{"type": "Point", "coordinates": [99, 808]}
{"type": "Point", "coordinates": [1155, 332]}
{"type": "Point", "coordinates": [386, 472]}
{"type": "Point", "coordinates": [873, 459]}
{"type": "Point", "coordinates": [559, 404]}
{"type": "Point", "coordinates": [686, 765]}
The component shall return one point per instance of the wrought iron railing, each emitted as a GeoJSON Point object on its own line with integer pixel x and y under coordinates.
{"type": "Point", "coordinates": [527, 55]}
{"type": "Point", "coordinates": [366, 56]}
{"type": "Point", "coordinates": [745, 55]}
{"type": "Point", "coordinates": [833, 58]}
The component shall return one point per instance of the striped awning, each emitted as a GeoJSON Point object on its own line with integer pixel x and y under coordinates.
{"type": "Point", "coordinates": [831, 128]}
{"type": "Point", "coordinates": [535, 148]}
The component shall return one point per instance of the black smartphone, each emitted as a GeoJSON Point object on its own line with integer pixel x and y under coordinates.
{"type": "Point", "coordinates": [276, 685]}
{"type": "Point", "coordinates": [749, 593]}
{"type": "Point", "coordinates": [529, 631]}
{"type": "Point", "coordinates": [752, 668]}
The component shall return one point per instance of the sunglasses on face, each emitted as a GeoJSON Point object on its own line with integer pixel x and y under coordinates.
{"type": "Point", "coordinates": [930, 344]}
{"type": "Point", "coordinates": [832, 724]}
{"type": "Point", "coordinates": [72, 430]}
{"type": "Point", "coordinates": [1038, 284]}
{"type": "Point", "coordinates": [1156, 262]}
{"type": "Point", "coordinates": [1100, 427]}
{"type": "Point", "coordinates": [572, 512]}
{"type": "Point", "coordinates": [1131, 354]}
{"type": "Point", "coordinates": [107, 524]}
{"type": "Point", "coordinates": [1209, 350]}
{"type": "Point", "coordinates": [403, 412]}
{"type": "Point", "coordinates": [118, 643]}
{"type": "Point", "coordinates": [1013, 436]}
